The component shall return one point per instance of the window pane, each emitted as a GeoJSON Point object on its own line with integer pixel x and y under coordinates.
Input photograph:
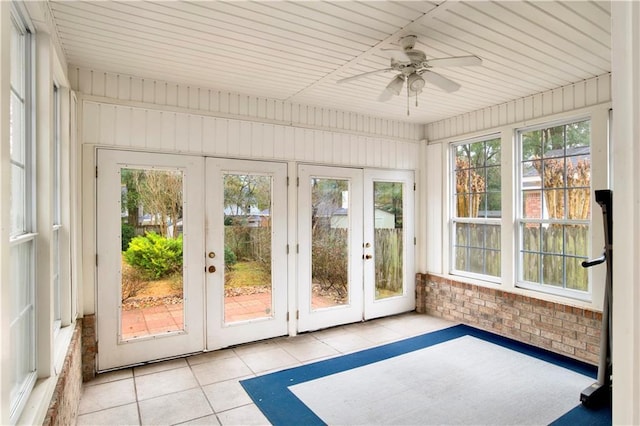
{"type": "Point", "coordinates": [478, 189]}
{"type": "Point", "coordinates": [552, 270]}
{"type": "Point", "coordinates": [388, 229]}
{"type": "Point", "coordinates": [576, 240]}
{"type": "Point", "coordinates": [565, 177]}
{"type": "Point", "coordinates": [577, 276]}
{"type": "Point", "coordinates": [22, 318]}
{"type": "Point", "coordinates": [330, 242]}
{"type": "Point", "coordinates": [247, 241]}
{"type": "Point", "coordinates": [532, 204]}
{"type": "Point", "coordinates": [151, 287]}
{"type": "Point", "coordinates": [553, 204]}
{"type": "Point", "coordinates": [552, 239]}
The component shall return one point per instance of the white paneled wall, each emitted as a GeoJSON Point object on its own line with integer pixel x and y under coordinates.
{"type": "Point", "coordinates": [170, 131]}
{"type": "Point", "coordinates": [564, 99]}
{"type": "Point", "coordinates": [145, 92]}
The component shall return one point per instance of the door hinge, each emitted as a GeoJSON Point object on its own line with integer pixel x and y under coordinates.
{"type": "Point", "coordinates": [287, 316]}
{"type": "Point", "coordinates": [287, 253]}
{"type": "Point", "coordinates": [96, 172]}
{"type": "Point", "coordinates": [297, 315]}
{"type": "Point", "coordinates": [297, 248]}
{"type": "Point", "coordinates": [287, 180]}
{"type": "Point", "coordinates": [96, 260]}
{"type": "Point", "coordinates": [414, 186]}
{"type": "Point", "coordinates": [297, 181]}
{"type": "Point", "coordinates": [415, 241]}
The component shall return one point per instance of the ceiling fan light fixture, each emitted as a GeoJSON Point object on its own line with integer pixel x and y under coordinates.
{"type": "Point", "coordinates": [395, 86]}
{"type": "Point", "coordinates": [415, 83]}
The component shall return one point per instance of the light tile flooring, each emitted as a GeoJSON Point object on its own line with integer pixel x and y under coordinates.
{"type": "Point", "coordinates": [204, 389]}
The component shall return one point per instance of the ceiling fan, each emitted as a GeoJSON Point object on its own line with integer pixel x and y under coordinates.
{"type": "Point", "coordinates": [414, 68]}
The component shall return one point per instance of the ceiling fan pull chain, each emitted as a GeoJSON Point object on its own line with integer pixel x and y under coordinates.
{"type": "Point", "coordinates": [408, 95]}
{"type": "Point", "coordinates": [416, 99]}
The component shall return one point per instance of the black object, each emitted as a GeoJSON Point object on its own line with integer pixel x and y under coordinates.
{"type": "Point", "coordinates": [599, 393]}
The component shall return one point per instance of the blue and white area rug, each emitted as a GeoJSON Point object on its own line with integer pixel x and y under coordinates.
{"type": "Point", "coordinates": [456, 376]}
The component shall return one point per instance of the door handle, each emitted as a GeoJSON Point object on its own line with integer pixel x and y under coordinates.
{"type": "Point", "coordinates": [368, 256]}
{"type": "Point", "coordinates": [212, 269]}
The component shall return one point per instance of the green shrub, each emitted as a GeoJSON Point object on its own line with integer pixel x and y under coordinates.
{"type": "Point", "coordinates": [230, 258]}
{"type": "Point", "coordinates": [155, 255]}
{"type": "Point", "coordinates": [128, 232]}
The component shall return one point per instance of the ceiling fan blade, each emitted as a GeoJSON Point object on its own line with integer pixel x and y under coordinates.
{"type": "Point", "coordinates": [442, 82]}
{"type": "Point", "coordinates": [355, 77]}
{"type": "Point", "coordinates": [454, 61]}
{"type": "Point", "coordinates": [398, 54]}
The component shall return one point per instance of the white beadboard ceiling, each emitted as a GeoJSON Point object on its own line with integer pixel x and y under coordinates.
{"type": "Point", "coordinates": [296, 50]}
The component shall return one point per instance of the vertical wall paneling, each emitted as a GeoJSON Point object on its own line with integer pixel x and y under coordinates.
{"type": "Point", "coordinates": [171, 94]}
{"type": "Point", "coordinates": [98, 83]}
{"type": "Point", "coordinates": [148, 91]}
{"type": "Point", "coordinates": [433, 194]}
{"type": "Point", "coordinates": [195, 134]}
{"type": "Point", "coordinates": [154, 128]}
{"type": "Point", "coordinates": [123, 126]}
{"type": "Point", "coordinates": [124, 87]}
{"type": "Point", "coordinates": [166, 130]}
{"type": "Point", "coordinates": [138, 128]}
{"type": "Point", "coordinates": [111, 86]}
{"type": "Point", "coordinates": [137, 86]}
{"type": "Point", "coordinates": [194, 98]}
{"type": "Point", "coordinates": [564, 99]}
{"type": "Point", "coordinates": [107, 128]}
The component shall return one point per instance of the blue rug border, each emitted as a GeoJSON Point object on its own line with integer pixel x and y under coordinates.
{"type": "Point", "coordinates": [270, 392]}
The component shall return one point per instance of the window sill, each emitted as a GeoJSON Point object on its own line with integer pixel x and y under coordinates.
{"type": "Point", "coordinates": [35, 410]}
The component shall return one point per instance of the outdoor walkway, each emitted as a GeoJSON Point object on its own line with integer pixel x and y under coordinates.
{"type": "Point", "coordinates": [164, 318]}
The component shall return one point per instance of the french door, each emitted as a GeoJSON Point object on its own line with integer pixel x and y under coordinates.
{"type": "Point", "coordinates": [149, 306]}
{"type": "Point", "coordinates": [246, 260]}
{"type": "Point", "coordinates": [356, 245]}
{"type": "Point", "coordinates": [191, 254]}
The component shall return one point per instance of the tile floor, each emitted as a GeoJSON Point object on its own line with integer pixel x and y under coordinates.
{"type": "Point", "coordinates": [204, 389]}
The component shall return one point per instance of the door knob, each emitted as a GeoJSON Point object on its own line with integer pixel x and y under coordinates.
{"type": "Point", "coordinates": [368, 256]}
{"type": "Point", "coordinates": [212, 255]}
{"type": "Point", "coordinates": [212, 269]}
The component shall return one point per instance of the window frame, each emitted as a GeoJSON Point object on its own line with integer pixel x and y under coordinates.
{"type": "Point", "coordinates": [454, 219]}
{"type": "Point", "coordinates": [519, 218]}
{"type": "Point", "coordinates": [28, 235]}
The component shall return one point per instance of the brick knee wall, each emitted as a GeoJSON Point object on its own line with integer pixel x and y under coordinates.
{"type": "Point", "coordinates": [63, 408]}
{"type": "Point", "coordinates": [89, 347]}
{"type": "Point", "coordinates": [564, 329]}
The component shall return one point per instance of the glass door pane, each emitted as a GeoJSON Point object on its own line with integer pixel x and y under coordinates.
{"type": "Point", "coordinates": [388, 239]}
{"type": "Point", "coordinates": [329, 242]}
{"type": "Point", "coordinates": [247, 247]}
{"type": "Point", "coordinates": [152, 252]}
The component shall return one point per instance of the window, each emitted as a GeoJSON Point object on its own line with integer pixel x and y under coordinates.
{"type": "Point", "coordinates": [554, 207]}
{"type": "Point", "coordinates": [57, 222]}
{"type": "Point", "coordinates": [476, 209]}
{"type": "Point", "coordinates": [22, 207]}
